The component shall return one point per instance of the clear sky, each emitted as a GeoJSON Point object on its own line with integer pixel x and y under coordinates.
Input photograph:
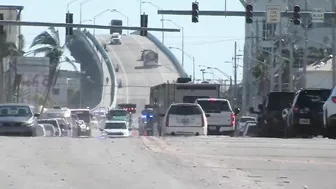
{"type": "Point", "coordinates": [211, 41]}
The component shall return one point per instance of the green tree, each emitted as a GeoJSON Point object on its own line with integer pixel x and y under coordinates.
{"type": "Point", "coordinates": [8, 49]}
{"type": "Point", "coordinates": [48, 43]}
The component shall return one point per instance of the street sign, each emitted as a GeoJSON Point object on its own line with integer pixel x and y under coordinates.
{"type": "Point", "coordinates": [318, 15]}
{"type": "Point", "coordinates": [273, 14]}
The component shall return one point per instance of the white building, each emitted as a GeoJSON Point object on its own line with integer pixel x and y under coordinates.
{"type": "Point", "coordinates": [60, 92]}
{"type": "Point", "coordinates": [262, 36]}
{"type": "Point", "coordinates": [319, 74]}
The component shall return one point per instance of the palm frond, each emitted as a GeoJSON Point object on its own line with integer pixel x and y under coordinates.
{"type": "Point", "coordinates": [45, 50]}
{"type": "Point", "coordinates": [43, 38]}
{"type": "Point", "coordinates": [72, 63]}
{"type": "Point", "coordinates": [55, 35]}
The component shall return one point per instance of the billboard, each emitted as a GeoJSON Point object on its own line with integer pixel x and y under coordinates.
{"type": "Point", "coordinates": [35, 73]}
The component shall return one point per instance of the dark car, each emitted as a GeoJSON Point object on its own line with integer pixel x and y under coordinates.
{"type": "Point", "coordinates": [305, 117]}
{"type": "Point", "coordinates": [270, 121]}
{"type": "Point", "coordinates": [17, 120]}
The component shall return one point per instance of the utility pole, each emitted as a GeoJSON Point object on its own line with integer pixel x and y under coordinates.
{"type": "Point", "coordinates": [235, 71]}
{"type": "Point", "coordinates": [333, 46]}
{"type": "Point", "coordinates": [272, 67]}
{"type": "Point", "coordinates": [291, 63]}
{"type": "Point", "coordinates": [281, 60]}
{"type": "Point", "coordinates": [203, 72]}
{"type": "Point", "coordinates": [304, 68]}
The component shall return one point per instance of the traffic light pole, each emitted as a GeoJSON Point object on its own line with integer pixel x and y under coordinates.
{"type": "Point", "coordinates": [55, 24]}
{"type": "Point", "coordinates": [239, 13]}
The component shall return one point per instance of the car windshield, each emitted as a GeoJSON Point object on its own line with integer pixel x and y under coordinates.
{"type": "Point", "coordinates": [115, 36]}
{"type": "Point", "coordinates": [119, 113]}
{"type": "Point", "coordinates": [115, 126]}
{"type": "Point", "coordinates": [18, 111]}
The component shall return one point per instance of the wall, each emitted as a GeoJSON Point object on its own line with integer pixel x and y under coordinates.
{"type": "Point", "coordinates": [59, 92]}
{"type": "Point", "coordinates": [11, 31]}
{"type": "Point", "coordinates": [319, 79]}
{"type": "Point", "coordinates": [83, 52]}
{"type": "Point", "coordinates": [35, 73]}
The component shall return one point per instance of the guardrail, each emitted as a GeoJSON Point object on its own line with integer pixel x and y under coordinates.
{"type": "Point", "coordinates": [79, 32]}
{"type": "Point", "coordinates": [166, 50]}
{"type": "Point", "coordinates": [110, 68]}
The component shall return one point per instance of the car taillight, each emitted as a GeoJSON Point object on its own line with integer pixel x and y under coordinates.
{"type": "Point", "coordinates": [233, 121]}
{"type": "Point", "coordinates": [296, 109]}
{"type": "Point", "coordinates": [167, 121]}
{"type": "Point", "coordinates": [334, 99]}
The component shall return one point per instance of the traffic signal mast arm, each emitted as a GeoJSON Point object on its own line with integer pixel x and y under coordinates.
{"type": "Point", "coordinates": [239, 13]}
{"type": "Point", "coordinates": [53, 24]}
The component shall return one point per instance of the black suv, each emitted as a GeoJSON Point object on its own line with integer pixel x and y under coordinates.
{"type": "Point", "coordinates": [306, 113]}
{"type": "Point", "coordinates": [17, 120]}
{"type": "Point", "coordinates": [270, 121]}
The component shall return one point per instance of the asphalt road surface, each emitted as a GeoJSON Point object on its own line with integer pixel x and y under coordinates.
{"type": "Point", "coordinates": [167, 163]}
{"type": "Point", "coordinates": [137, 82]}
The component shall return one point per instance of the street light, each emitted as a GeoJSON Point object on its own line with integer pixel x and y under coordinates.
{"type": "Point", "coordinates": [189, 56]}
{"type": "Point", "coordinates": [80, 10]}
{"type": "Point", "coordinates": [68, 4]}
{"type": "Point", "coordinates": [87, 20]}
{"type": "Point", "coordinates": [97, 16]}
{"type": "Point", "coordinates": [182, 36]}
{"type": "Point", "coordinates": [158, 8]}
{"type": "Point", "coordinates": [123, 15]}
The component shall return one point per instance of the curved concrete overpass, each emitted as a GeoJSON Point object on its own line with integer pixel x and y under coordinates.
{"type": "Point", "coordinates": [83, 52]}
{"type": "Point", "coordinates": [136, 82]}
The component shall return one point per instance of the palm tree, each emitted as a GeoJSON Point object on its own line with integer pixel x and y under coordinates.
{"type": "Point", "coordinates": [48, 43]}
{"type": "Point", "coordinates": [8, 49]}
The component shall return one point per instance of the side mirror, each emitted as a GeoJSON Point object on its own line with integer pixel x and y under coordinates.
{"type": "Point", "coordinates": [207, 115]}
{"type": "Point", "coordinates": [100, 129]}
{"type": "Point", "coordinates": [162, 115]}
{"type": "Point", "coordinates": [37, 115]}
{"type": "Point", "coordinates": [129, 129]}
{"type": "Point", "coordinates": [236, 111]}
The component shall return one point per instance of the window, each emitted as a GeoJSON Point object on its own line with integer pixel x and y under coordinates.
{"type": "Point", "coordinates": [279, 101]}
{"type": "Point", "coordinates": [310, 97]}
{"type": "Point", "coordinates": [115, 126]}
{"type": "Point", "coordinates": [118, 113]}
{"type": "Point", "coordinates": [56, 91]}
{"type": "Point", "coordinates": [268, 31]}
{"type": "Point", "coordinates": [215, 106]}
{"type": "Point", "coordinates": [192, 99]}
{"type": "Point", "coordinates": [19, 111]}
{"type": "Point", "coordinates": [184, 110]}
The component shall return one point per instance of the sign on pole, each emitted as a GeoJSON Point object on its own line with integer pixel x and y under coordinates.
{"type": "Point", "coordinates": [318, 15]}
{"type": "Point", "coordinates": [273, 14]}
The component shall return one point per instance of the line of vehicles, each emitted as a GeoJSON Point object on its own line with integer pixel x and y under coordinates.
{"type": "Point", "coordinates": [23, 120]}
{"type": "Point", "coordinates": [306, 112]}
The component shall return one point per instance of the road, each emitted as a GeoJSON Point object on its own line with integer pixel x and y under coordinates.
{"type": "Point", "coordinates": [136, 82]}
{"type": "Point", "coordinates": [166, 163]}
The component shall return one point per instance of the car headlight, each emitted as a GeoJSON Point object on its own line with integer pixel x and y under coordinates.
{"type": "Point", "coordinates": [28, 124]}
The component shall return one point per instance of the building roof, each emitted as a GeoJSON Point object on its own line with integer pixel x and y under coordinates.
{"type": "Point", "coordinates": [321, 65]}
{"type": "Point", "coordinates": [17, 7]}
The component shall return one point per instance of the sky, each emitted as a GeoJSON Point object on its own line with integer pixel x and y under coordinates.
{"type": "Point", "coordinates": [211, 41]}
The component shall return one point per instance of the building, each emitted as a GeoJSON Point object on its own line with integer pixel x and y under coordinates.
{"type": "Point", "coordinates": [319, 74]}
{"type": "Point", "coordinates": [67, 84]}
{"type": "Point", "coordinates": [263, 38]}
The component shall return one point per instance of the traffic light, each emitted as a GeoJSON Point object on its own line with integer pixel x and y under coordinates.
{"type": "Point", "coordinates": [249, 13]}
{"type": "Point", "coordinates": [69, 20]}
{"type": "Point", "coordinates": [194, 12]}
{"type": "Point", "coordinates": [2, 29]}
{"type": "Point", "coordinates": [297, 15]}
{"type": "Point", "coordinates": [144, 24]}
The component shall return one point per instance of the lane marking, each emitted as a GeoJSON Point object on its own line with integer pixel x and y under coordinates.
{"type": "Point", "coordinates": [123, 70]}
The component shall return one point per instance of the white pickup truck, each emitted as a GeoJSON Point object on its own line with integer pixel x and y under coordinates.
{"type": "Point", "coordinates": [221, 118]}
